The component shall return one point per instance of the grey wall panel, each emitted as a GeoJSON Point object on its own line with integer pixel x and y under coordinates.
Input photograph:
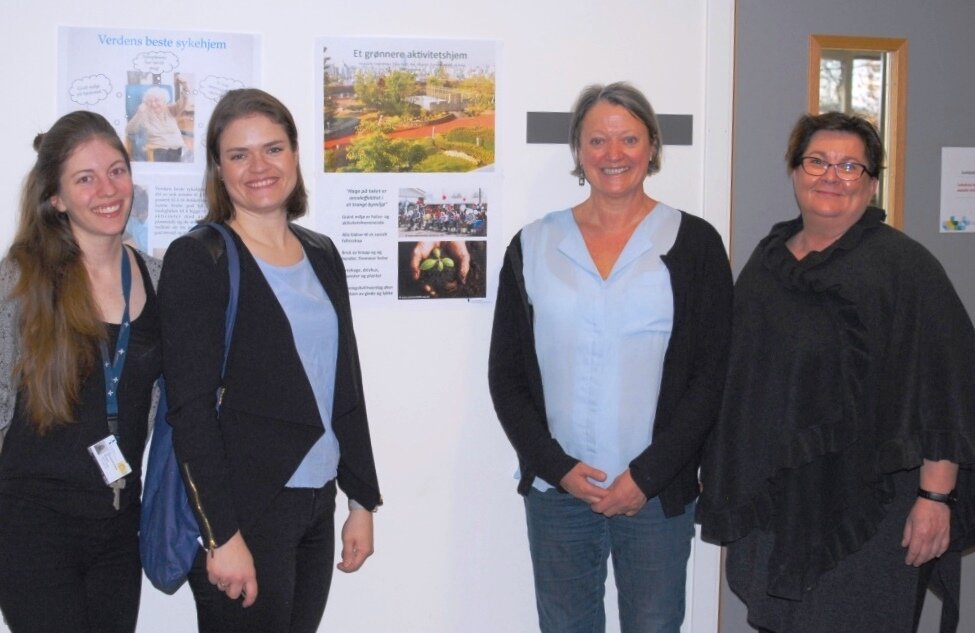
{"type": "Point", "coordinates": [553, 127]}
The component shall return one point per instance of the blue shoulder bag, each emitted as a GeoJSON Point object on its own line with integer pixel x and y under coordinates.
{"type": "Point", "coordinates": [168, 531]}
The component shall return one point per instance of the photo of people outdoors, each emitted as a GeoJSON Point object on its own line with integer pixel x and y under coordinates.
{"type": "Point", "coordinates": [442, 269]}
{"type": "Point", "coordinates": [408, 107]}
{"type": "Point", "coordinates": [421, 213]}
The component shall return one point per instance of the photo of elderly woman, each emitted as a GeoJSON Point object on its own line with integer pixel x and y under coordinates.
{"type": "Point", "coordinates": [160, 120]}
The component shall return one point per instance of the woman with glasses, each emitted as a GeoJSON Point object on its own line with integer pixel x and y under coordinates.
{"type": "Point", "coordinates": [848, 409]}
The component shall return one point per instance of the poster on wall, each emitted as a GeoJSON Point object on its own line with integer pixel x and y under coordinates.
{"type": "Point", "coordinates": [409, 186]}
{"type": "Point", "coordinates": [158, 88]}
{"type": "Point", "coordinates": [958, 189]}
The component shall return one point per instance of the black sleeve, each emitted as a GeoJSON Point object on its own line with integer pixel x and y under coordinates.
{"type": "Point", "coordinates": [698, 400]}
{"type": "Point", "coordinates": [515, 380]}
{"type": "Point", "coordinates": [193, 294]}
{"type": "Point", "coordinates": [357, 468]}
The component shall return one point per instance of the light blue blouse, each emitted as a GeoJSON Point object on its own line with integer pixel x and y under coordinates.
{"type": "Point", "coordinates": [600, 343]}
{"type": "Point", "coordinates": [315, 328]}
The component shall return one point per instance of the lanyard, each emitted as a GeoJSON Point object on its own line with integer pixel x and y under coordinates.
{"type": "Point", "coordinates": [113, 369]}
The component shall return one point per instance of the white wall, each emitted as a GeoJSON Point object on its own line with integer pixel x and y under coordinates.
{"type": "Point", "coordinates": [451, 549]}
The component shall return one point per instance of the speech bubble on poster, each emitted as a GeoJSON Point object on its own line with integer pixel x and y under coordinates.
{"type": "Point", "coordinates": [213, 87]}
{"type": "Point", "coordinates": [88, 91]}
{"type": "Point", "coordinates": [156, 62]}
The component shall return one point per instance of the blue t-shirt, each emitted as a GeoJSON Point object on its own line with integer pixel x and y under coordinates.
{"type": "Point", "coordinates": [315, 328]}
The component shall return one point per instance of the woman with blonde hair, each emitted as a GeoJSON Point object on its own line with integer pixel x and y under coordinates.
{"type": "Point", "coordinates": [607, 357]}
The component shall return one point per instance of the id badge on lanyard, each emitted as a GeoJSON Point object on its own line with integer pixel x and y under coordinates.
{"type": "Point", "coordinates": [106, 452]}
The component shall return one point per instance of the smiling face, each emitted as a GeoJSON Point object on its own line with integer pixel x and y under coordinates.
{"type": "Point", "coordinates": [828, 201]}
{"type": "Point", "coordinates": [95, 190]}
{"type": "Point", "coordinates": [154, 103]}
{"type": "Point", "coordinates": [614, 150]}
{"type": "Point", "coordinates": [258, 165]}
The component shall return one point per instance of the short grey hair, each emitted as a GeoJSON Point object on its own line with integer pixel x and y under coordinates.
{"type": "Point", "coordinates": [623, 94]}
{"type": "Point", "coordinates": [157, 92]}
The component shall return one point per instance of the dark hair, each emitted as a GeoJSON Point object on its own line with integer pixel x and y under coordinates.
{"type": "Point", "coordinates": [622, 94]}
{"type": "Point", "coordinates": [809, 124]}
{"type": "Point", "coordinates": [234, 105]}
{"type": "Point", "coordinates": [59, 322]}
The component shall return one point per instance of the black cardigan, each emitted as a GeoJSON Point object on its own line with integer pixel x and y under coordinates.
{"type": "Point", "coordinates": [690, 390]}
{"type": "Point", "coordinates": [235, 465]}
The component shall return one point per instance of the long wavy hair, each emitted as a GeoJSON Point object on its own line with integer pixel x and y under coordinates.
{"type": "Point", "coordinates": [59, 320]}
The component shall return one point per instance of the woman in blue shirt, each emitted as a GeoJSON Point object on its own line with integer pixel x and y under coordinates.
{"type": "Point", "coordinates": [262, 475]}
{"type": "Point", "coordinates": [608, 353]}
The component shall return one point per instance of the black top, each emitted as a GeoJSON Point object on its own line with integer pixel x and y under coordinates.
{"type": "Point", "coordinates": [56, 470]}
{"type": "Point", "coordinates": [234, 465]}
{"type": "Point", "coordinates": [690, 389]}
{"type": "Point", "coordinates": [846, 366]}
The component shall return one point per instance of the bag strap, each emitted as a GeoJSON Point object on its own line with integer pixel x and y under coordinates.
{"type": "Point", "coordinates": [218, 247]}
{"type": "Point", "coordinates": [233, 268]}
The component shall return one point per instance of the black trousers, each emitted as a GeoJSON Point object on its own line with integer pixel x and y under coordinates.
{"type": "Point", "coordinates": [293, 545]}
{"type": "Point", "coordinates": [64, 573]}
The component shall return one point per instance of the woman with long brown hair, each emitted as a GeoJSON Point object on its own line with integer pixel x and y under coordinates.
{"type": "Point", "coordinates": [79, 354]}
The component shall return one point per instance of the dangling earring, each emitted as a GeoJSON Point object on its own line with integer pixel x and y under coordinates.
{"type": "Point", "coordinates": [582, 180]}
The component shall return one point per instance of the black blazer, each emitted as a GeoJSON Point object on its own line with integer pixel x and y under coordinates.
{"type": "Point", "coordinates": [234, 464]}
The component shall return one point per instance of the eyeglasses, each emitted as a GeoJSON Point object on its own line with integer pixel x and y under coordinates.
{"type": "Point", "coordinates": [844, 171]}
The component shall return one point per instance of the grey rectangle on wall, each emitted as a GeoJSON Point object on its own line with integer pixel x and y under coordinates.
{"type": "Point", "coordinates": [553, 127]}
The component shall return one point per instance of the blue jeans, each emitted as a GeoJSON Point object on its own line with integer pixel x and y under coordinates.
{"type": "Point", "coordinates": [570, 545]}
